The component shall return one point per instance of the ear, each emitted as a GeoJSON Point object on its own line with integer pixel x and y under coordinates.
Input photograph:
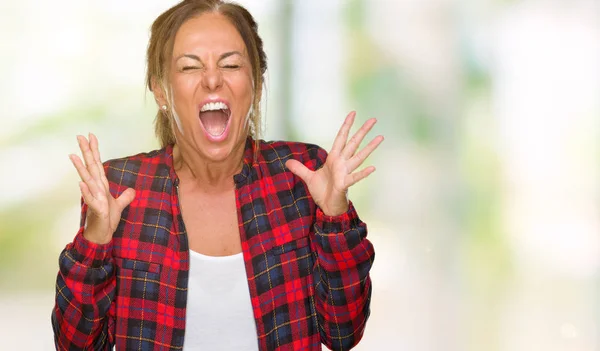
{"type": "Point", "coordinates": [158, 91]}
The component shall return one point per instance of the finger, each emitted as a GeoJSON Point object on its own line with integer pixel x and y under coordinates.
{"type": "Point", "coordinates": [85, 193]}
{"type": "Point", "coordinates": [88, 156]}
{"type": "Point", "coordinates": [94, 147]}
{"type": "Point", "coordinates": [84, 174]}
{"type": "Point", "coordinates": [354, 178]}
{"type": "Point", "coordinates": [357, 138]}
{"type": "Point", "coordinates": [362, 155]}
{"type": "Point", "coordinates": [125, 199]}
{"type": "Point", "coordinates": [300, 170]}
{"type": "Point", "coordinates": [93, 144]}
{"type": "Point", "coordinates": [96, 154]}
{"type": "Point", "coordinates": [342, 135]}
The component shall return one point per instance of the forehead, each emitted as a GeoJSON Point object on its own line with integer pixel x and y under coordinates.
{"type": "Point", "coordinates": [208, 32]}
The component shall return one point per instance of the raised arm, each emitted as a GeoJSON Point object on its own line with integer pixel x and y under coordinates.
{"type": "Point", "coordinates": [343, 254]}
{"type": "Point", "coordinates": [82, 318]}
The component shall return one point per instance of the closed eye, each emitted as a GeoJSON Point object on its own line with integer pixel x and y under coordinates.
{"type": "Point", "coordinates": [231, 66]}
{"type": "Point", "coordinates": [187, 68]}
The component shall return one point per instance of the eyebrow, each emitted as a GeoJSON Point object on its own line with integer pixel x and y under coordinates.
{"type": "Point", "coordinates": [230, 53]}
{"type": "Point", "coordinates": [223, 56]}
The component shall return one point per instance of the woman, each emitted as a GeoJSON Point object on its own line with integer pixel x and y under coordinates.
{"type": "Point", "coordinates": [219, 240]}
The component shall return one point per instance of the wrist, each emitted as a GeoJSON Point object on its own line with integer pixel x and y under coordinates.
{"type": "Point", "coordinates": [336, 209]}
{"type": "Point", "coordinates": [95, 240]}
{"type": "Point", "coordinates": [97, 230]}
{"type": "Point", "coordinates": [96, 236]}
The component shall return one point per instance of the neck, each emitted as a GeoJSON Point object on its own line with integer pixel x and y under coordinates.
{"type": "Point", "coordinates": [191, 167]}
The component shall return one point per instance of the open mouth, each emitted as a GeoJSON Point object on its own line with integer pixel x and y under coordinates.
{"type": "Point", "coordinates": [214, 117]}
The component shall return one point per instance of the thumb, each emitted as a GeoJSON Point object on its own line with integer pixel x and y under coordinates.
{"type": "Point", "coordinates": [299, 169]}
{"type": "Point", "coordinates": [125, 199]}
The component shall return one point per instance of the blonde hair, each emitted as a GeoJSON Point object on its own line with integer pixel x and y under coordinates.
{"type": "Point", "coordinates": [160, 50]}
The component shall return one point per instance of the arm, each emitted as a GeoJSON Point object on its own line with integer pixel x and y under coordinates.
{"type": "Point", "coordinates": [343, 287]}
{"type": "Point", "coordinates": [85, 291]}
{"type": "Point", "coordinates": [83, 315]}
{"type": "Point", "coordinates": [343, 254]}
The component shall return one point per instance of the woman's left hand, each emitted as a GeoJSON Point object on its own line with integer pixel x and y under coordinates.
{"type": "Point", "coordinates": [329, 184]}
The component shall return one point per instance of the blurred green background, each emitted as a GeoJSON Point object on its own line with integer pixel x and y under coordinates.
{"type": "Point", "coordinates": [484, 209]}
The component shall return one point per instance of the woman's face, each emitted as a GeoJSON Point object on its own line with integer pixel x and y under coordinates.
{"type": "Point", "coordinates": [211, 82]}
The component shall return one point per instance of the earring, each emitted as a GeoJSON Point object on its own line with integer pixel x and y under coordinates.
{"type": "Point", "coordinates": [164, 107]}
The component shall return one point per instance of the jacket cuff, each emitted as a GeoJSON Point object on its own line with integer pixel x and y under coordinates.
{"type": "Point", "coordinates": [337, 224]}
{"type": "Point", "coordinates": [88, 253]}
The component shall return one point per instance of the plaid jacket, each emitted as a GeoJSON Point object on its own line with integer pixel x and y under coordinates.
{"type": "Point", "coordinates": [308, 273]}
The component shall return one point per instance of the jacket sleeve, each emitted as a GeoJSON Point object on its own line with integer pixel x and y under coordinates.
{"type": "Point", "coordinates": [342, 282]}
{"type": "Point", "coordinates": [344, 257]}
{"type": "Point", "coordinates": [85, 292]}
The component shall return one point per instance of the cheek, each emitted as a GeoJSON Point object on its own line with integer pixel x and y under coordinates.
{"type": "Point", "coordinates": [245, 97]}
{"type": "Point", "coordinates": [242, 85]}
{"type": "Point", "coordinates": [183, 89]}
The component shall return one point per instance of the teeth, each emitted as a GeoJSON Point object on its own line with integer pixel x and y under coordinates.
{"type": "Point", "coordinates": [212, 106]}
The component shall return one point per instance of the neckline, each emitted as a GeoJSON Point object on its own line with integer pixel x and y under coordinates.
{"type": "Point", "coordinates": [216, 258]}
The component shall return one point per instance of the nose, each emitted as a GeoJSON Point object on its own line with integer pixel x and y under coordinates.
{"type": "Point", "coordinates": [212, 79]}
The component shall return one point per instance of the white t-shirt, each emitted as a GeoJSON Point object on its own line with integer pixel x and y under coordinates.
{"type": "Point", "coordinates": [219, 313]}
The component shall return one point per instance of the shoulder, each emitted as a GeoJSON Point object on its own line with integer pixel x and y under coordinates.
{"type": "Point", "coordinates": [126, 170]}
{"type": "Point", "coordinates": [311, 155]}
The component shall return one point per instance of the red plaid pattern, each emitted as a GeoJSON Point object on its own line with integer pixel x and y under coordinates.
{"type": "Point", "coordinates": [308, 273]}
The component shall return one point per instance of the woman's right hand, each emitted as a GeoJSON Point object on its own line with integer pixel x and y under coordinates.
{"type": "Point", "coordinates": [104, 211]}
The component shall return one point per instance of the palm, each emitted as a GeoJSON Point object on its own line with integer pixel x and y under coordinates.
{"type": "Point", "coordinates": [104, 208]}
{"type": "Point", "coordinates": [329, 185]}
